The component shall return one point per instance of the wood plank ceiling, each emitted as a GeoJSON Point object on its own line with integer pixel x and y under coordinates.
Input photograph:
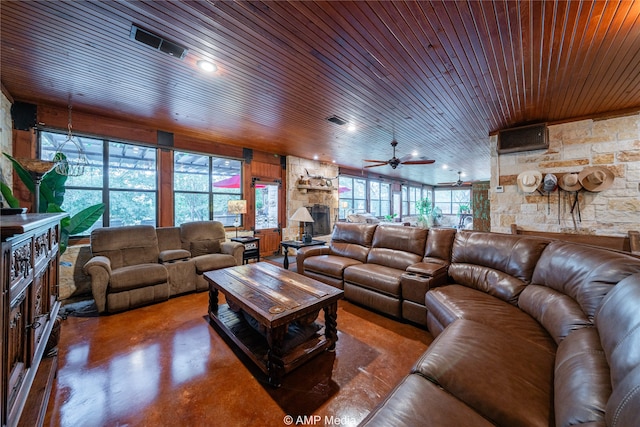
{"type": "Point", "coordinates": [439, 75]}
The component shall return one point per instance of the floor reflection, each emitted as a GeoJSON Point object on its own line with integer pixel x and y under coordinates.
{"type": "Point", "coordinates": [164, 365]}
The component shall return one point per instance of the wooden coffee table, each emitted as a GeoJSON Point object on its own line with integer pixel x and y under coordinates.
{"type": "Point", "coordinates": [270, 315]}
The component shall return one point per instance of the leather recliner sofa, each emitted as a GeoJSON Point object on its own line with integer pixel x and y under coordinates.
{"type": "Point", "coordinates": [384, 267]}
{"type": "Point", "coordinates": [137, 265]}
{"type": "Point", "coordinates": [529, 331]}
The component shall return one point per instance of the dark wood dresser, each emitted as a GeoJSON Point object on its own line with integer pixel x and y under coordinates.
{"type": "Point", "coordinates": [29, 277]}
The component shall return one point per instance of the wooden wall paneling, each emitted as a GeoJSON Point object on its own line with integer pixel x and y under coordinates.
{"type": "Point", "coordinates": [96, 124]}
{"type": "Point", "coordinates": [165, 195]}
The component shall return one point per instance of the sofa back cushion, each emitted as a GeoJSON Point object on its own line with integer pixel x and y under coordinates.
{"type": "Point", "coordinates": [397, 246]}
{"type": "Point", "coordinates": [352, 240]}
{"type": "Point", "coordinates": [584, 273]}
{"type": "Point", "coordinates": [499, 264]}
{"type": "Point", "coordinates": [168, 238]}
{"type": "Point", "coordinates": [201, 231]}
{"type": "Point", "coordinates": [439, 244]}
{"type": "Point", "coordinates": [125, 246]}
{"type": "Point", "coordinates": [581, 380]}
{"type": "Point", "coordinates": [407, 239]}
{"type": "Point", "coordinates": [618, 323]}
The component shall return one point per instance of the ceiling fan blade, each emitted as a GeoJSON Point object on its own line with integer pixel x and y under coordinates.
{"type": "Point", "coordinates": [376, 161]}
{"type": "Point", "coordinates": [418, 162]}
{"type": "Point", "coordinates": [373, 166]}
{"type": "Point", "coordinates": [446, 183]}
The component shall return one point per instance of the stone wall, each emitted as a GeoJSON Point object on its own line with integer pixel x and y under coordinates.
{"type": "Point", "coordinates": [613, 143]}
{"type": "Point", "coordinates": [321, 193]}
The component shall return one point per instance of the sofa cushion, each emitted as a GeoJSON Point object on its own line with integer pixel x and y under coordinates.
{"type": "Point", "coordinates": [329, 265]}
{"type": "Point", "coordinates": [352, 240]}
{"type": "Point", "coordinates": [170, 255]}
{"type": "Point", "coordinates": [582, 384]}
{"type": "Point", "coordinates": [393, 258]}
{"type": "Point", "coordinates": [618, 321]}
{"type": "Point", "coordinates": [201, 230]}
{"type": "Point", "coordinates": [449, 303]}
{"type": "Point", "coordinates": [210, 262]}
{"type": "Point", "coordinates": [376, 277]}
{"type": "Point", "coordinates": [404, 239]}
{"type": "Point", "coordinates": [204, 247]}
{"type": "Point", "coordinates": [582, 272]}
{"type": "Point", "coordinates": [124, 246]}
{"type": "Point", "coordinates": [418, 402]}
{"type": "Point", "coordinates": [493, 282]}
{"type": "Point", "coordinates": [439, 243]}
{"type": "Point", "coordinates": [137, 276]}
{"type": "Point", "coordinates": [558, 313]}
{"type": "Point", "coordinates": [514, 255]}
{"type": "Point", "coordinates": [503, 377]}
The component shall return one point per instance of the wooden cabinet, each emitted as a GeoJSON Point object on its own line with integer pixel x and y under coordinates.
{"type": "Point", "coordinates": [29, 278]}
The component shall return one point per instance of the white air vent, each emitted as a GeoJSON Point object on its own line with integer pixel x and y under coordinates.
{"type": "Point", "coordinates": [158, 43]}
{"type": "Point", "coordinates": [525, 138]}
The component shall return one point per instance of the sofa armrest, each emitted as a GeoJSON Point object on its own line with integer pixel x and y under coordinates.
{"type": "Point", "coordinates": [309, 251]}
{"type": "Point", "coordinates": [431, 269]}
{"type": "Point", "coordinates": [233, 248]}
{"type": "Point", "coordinates": [99, 269]}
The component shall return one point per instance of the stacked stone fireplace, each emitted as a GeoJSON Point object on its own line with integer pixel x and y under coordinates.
{"type": "Point", "coordinates": [319, 196]}
{"type": "Point", "coordinates": [321, 225]}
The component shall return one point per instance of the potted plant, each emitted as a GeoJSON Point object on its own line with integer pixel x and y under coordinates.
{"type": "Point", "coordinates": [425, 209]}
{"type": "Point", "coordinates": [52, 191]}
{"type": "Point", "coordinates": [390, 218]}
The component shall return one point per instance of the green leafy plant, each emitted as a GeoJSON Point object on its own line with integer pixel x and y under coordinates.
{"type": "Point", "coordinates": [463, 209]}
{"type": "Point", "coordinates": [424, 208]}
{"type": "Point", "coordinates": [390, 217]}
{"type": "Point", "coordinates": [52, 190]}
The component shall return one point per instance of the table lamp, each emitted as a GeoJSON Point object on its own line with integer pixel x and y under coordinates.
{"type": "Point", "coordinates": [302, 215]}
{"type": "Point", "coordinates": [237, 207]}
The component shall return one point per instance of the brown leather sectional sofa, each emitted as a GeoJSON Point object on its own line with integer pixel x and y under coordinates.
{"type": "Point", "coordinates": [529, 331]}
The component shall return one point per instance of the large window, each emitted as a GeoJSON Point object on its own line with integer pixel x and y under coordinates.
{"type": "Point", "coordinates": [410, 196]}
{"type": "Point", "coordinates": [379, 198]}
{"type": "Point", "coordinates": [203, 186]}
{"type": "Point", "coordinates": [450, 201]}
{"type": "Point", "coordinates": [353, 196]}
{"type": "Point", "coordinates": [121, 175]}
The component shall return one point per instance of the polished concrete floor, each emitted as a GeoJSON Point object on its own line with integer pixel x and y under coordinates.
{"type": "Point", "coordinates": [165, 365]}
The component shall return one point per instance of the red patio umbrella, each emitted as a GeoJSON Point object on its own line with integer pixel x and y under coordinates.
{"type": "Point", "coordinates": [232, 182]}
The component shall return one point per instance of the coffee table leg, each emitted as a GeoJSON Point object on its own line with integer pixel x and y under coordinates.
{"type": "Point", "coordinates": [286, 258]}
{"type": "Point", "coordinates": [213, 299]}
{"type": "Point", "coordinates": [275, 365]}
{"type": "Point", "coordinates": [331, 325]}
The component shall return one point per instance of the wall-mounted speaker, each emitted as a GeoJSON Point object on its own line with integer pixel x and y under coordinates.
{"type": "Point", "coordinates": [525, 138]}
{"type": "Point", "coordinates": [165, 139]}
{"type": "Point", "coordinates": [247, 154]}
{"type": "Point", "coordinates": [24, 115]}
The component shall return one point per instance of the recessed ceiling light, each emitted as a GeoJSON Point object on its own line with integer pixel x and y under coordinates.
{"type": "Point", "coordinates": [207, 66]}
{"type": "Point", "coordinates": [351, 127]}
{"type": "Point", "coordinates": [315, 157]}
{"type": "Point", "coordinates": [444, 166]}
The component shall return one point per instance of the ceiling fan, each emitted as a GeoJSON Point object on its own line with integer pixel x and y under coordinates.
{"type": "Point", "coordinates": [458, 183]}
{"type": "Point", "coordinates": [394, 162]}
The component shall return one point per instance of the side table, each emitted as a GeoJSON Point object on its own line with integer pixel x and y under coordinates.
{"type": "Point", "coordinates": [251, 248]}
{"type": "Point", "coordinates": [296, 244]}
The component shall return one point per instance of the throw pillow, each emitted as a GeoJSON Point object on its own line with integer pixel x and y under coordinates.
{"type": "Point", "coordinates": [204, 247]}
